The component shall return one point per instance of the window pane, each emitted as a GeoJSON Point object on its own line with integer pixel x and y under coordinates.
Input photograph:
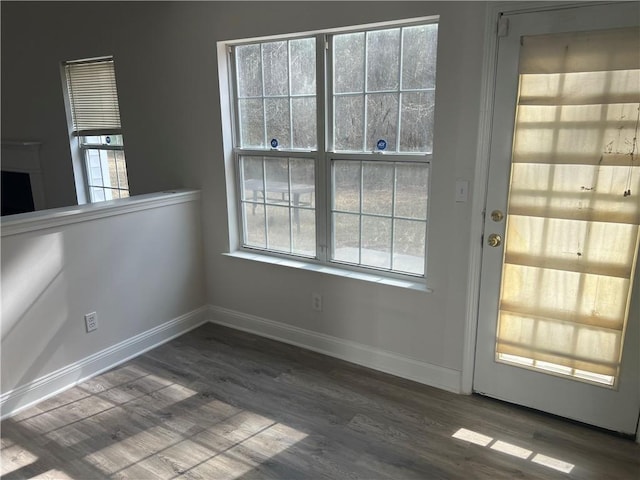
{"type": "Point", "coordinates": [113, 140]}
{"type": "Point", "coordinates": [303, 66]}
{"type": "Point", "coordinates": [276, 68]}
{"type": "Point", "coordinates": [349, 123]}
{"type": "Point", "coordinates": [416, 133]}
{"type": "Point", "coordinates": [383, 60]}
{"type": "Point", "coordinates": [303, 182]}
{"type": "Point", "coordinates": [112, 169]}
{"type": "Point", "coordinates": [278, 121]}
{"type": "Point", "coordinates": [411, 190]}
{"type": "Point", "coordinates": [409, 246]}
{"type": "Point", "coordinates": [94, 167]}
{"type": "Point", "coordinates": [97, 194]}
{"type": "Point", "coordinates": [304, 122]}
{"type": "Point", "coordinates": [304, 232]}
{"type": "Point", "coordinates": [253, 222]}
{"type": "Point", "coordinates": [419, 46]}
{"type": "Point", "coordinates": [277, 180]}
{"type": "Point", "coordinates": [346, 186]}
{"type": "Point", "coordinates": [346, 238]}
{"type": "Point", "coordinates": [278, 228]}
{"type": "Point", "coordinates": [251, 114]}
{"type": "Point", "coordinates": [251, 169]}
{"type": "Point", "coordinates": [377, 188]}
{"type": "Point", "coordinates": [348, 63]}
{"type": "Point", "coordinates": [249, 71]}
{"type": "Point", "coordinates": [90, 140]}
{"type": "Point", "coordinates": [113, 193]}
{"type": "Point", "coordinates": [376, 241]}
{"type": "Point", "coordinates": [123, 181]}
{"type": "Point", "coordinates": [382, 120]}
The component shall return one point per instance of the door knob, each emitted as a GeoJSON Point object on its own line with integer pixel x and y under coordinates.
{"type": "Point", "coordinates": [494, 240]}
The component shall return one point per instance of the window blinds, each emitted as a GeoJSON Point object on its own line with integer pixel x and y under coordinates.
{"type": "Point", "coordinates": [93, 97]}
{"type": "Point", "coordinates": [574, 208]}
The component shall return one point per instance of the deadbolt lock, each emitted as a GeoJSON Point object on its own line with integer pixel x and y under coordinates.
{"type": "Point", "coordinates": [497, 216]}
{"type": "Point", "coordinates": [494, 240]}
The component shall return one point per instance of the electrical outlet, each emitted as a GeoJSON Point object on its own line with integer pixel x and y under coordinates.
{"type": "Point", "coordinates": [91, 321]}
{"type": "Point", "coordinates": [316, 302]}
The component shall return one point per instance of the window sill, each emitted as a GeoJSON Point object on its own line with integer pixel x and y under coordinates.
{"type": "Point", "coordinates": [330, 270]}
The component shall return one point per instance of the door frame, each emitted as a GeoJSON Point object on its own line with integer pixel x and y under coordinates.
{"type": "Point", "coordinates": [480, 182]}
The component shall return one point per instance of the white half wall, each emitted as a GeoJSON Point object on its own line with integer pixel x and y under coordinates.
{"type": "Point", "coordinates": [137, 263]}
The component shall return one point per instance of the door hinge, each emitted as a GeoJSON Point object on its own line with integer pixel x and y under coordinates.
{"type": "Point", "coordinates": [503, 26]}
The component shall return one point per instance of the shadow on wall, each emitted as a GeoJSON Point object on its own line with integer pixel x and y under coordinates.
{"type": "Point", "coordinates": [34, 305]}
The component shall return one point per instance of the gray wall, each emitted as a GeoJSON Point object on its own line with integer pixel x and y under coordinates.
{"type": "Point", "coordinates": [166, 69]}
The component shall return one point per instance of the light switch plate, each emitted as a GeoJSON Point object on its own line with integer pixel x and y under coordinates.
{"type": "Point", "coordinates": [462, 191]}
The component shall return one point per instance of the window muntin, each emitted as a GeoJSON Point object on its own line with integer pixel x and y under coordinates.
{"type": "Point", "coordinates": [379, 85]}
{"type": "Point", "coordinates": [95, 115]}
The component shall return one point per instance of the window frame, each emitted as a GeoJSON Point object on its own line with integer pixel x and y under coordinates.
{"type": "Point", "coordinates": [79, 149]}
{"type": "Point", "coordinates": [84, 149]}
{"type": "Point", "coordinates": [324, 155]}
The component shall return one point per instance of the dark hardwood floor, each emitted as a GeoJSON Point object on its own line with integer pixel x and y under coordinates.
{"type": "Point", "coordinates": [221, 404]}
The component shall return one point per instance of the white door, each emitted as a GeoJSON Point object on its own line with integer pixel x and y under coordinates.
{"type": "Point", "coordinates": [558, 282]}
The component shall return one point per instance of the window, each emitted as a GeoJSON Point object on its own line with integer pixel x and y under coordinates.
{"type": "Point", "coordinates": [333, 138]}
{"type": "Point", "coordinates": [93, 102]}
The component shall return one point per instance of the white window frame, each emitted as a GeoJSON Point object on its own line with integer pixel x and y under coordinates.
{"type": "Point", "coordinates": [103, 149]}
{"type": "Point", "coordinates": [79, 147]}
{"type": "Point", "coordinates": [323, 156]}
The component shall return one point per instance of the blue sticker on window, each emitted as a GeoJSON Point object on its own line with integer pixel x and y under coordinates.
{"type": "Point", "coordinates": [381, 144]}
{"type": "Point", "coordinates": [274, 143]}
{"type": "Point", "coordinates": [107, 139]}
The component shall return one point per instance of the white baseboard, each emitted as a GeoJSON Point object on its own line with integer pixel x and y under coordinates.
{"type": "Point", "coordinates": [44, 387]}
{"type": "Point", "coordinates": [367, 356]}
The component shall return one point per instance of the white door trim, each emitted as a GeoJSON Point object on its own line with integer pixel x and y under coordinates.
{"type": "Point", "coordinates": [487, 92]}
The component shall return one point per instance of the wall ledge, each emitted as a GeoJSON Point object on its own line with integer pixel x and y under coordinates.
{"type": "Point", "coordinates": [41, 219]}
{"type": "Point", "coordinates": [354, 352]}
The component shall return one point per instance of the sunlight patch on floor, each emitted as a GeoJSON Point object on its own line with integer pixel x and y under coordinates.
{"type": "Point", "coordinates": [552, 463]}
{"type": "Point", "coordinates": [248, 454]}
{"type": "Point", "coordinates": [473, 437]}
{"type": "Point", "coordinates": [14, 458]}
{"type": "Point", "coordinates": [513, 450]}
{"type": "Point", "coordinates": [238, 442]}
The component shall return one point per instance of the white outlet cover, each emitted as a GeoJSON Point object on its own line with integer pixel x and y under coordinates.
{"type": "Point", "coordinates": [91, 321]}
